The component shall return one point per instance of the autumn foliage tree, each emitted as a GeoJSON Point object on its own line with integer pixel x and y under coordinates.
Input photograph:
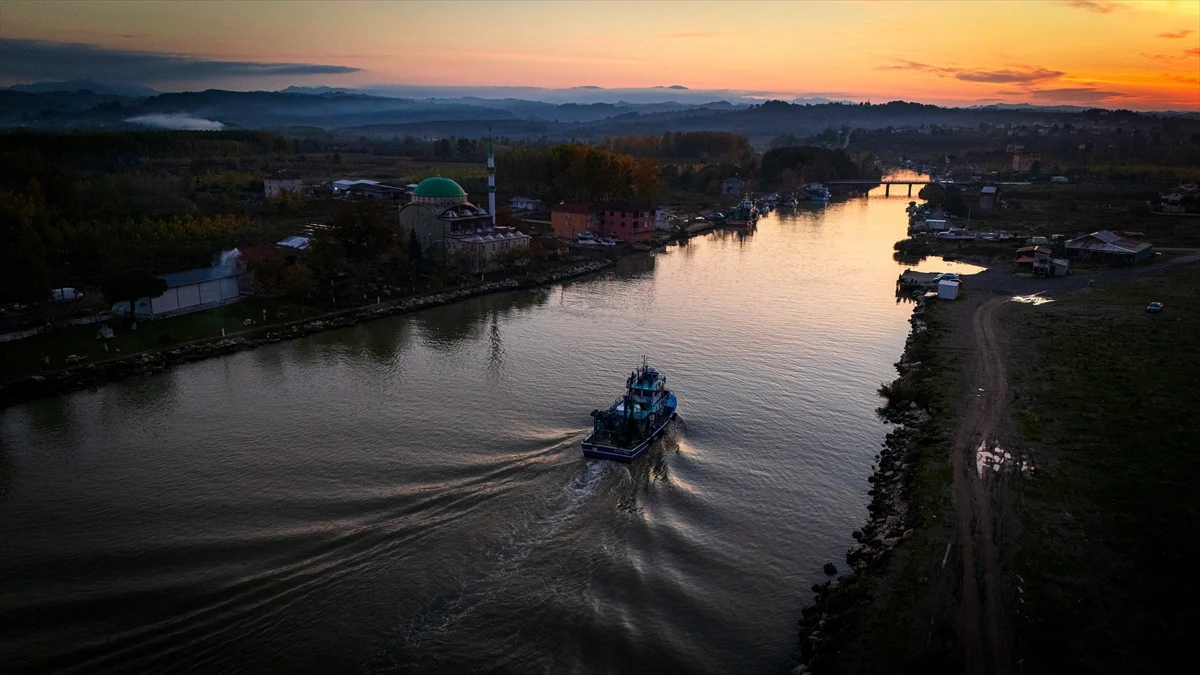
{"type": "Point", "coordinates": [577, 172]}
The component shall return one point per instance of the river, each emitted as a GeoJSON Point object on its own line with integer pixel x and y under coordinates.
{"type": "Point", "coordinates": [408, 495]}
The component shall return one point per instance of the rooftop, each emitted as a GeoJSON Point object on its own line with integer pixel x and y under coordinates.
{"type": "Point", "coordinates": [189, 277]}
{"type": "Point", "coordinates": [296, 241]}
{"type": "Point", "coordinates": [284, 175]}
{"type": "Point", "coordinates": [1108, 242]}
{"type": "Point", "coordinates": [624, 207]}
{"type": "Point", "coordinates": [570, 208]}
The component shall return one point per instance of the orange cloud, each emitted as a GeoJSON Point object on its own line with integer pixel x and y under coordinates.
{"type": "Point", "coordinates": [1176, 35]}
{"type": "Point", "coordinates": [1022, 74]}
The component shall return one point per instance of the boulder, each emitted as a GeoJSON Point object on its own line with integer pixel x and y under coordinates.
{"type": "Point", "coordinates": [830, 569]}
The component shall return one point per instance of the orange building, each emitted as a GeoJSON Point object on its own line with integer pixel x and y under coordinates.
{"type": "Point", "coordinates": [568, 220]}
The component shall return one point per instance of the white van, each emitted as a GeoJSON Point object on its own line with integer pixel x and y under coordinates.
{"type": "Point", "coordinates": [65, 295]}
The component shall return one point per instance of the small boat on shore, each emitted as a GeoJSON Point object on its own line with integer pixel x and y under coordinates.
{"type": "Point", "coordinates": [624, 431]}
{"type": "Point", "coordinates": [818, 193]}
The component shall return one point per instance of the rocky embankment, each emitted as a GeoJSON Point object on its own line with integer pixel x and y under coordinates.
{"type": "Point", "coordinates": [83, 377]}
{"type": "Point", "coordinates": [823, 624]}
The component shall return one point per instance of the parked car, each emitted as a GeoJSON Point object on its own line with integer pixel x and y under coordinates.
{"type": "Point", "coordinates": [65, 295]}
{"type": "Point", "coordinates": [1154, 307]}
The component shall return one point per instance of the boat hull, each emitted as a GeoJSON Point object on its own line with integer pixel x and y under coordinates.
{"type": "Point", "coordinates": [617, 454]}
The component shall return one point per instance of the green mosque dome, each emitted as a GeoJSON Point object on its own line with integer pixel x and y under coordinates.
{"type": "Point", "coordinates": [439, 187]}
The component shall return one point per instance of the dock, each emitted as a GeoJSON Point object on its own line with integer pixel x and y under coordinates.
{"type": "Point", "coordinates": [910, 280]}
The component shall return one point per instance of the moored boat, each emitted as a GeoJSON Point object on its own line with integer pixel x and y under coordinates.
{"type": "Point", "coordinates": [624, 431]}
{"type": "Point", "coordinates": [743, 216]}
{"type": "Point", "coordinates": [818, 193]}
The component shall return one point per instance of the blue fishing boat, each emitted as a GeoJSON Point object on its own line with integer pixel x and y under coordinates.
{"type": "Point", "coordinates": [624, 431]}
{"type": "Point", "coordinates": [818, 193]}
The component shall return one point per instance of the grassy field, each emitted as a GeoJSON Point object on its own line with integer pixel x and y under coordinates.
{"type": "Point", "coordinates": [1108, 402]}
{"type": "Point", "coordinates": [29, 356]}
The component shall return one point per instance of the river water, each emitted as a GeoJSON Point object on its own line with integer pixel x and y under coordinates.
{"type": "Point", "coordinates": [409, 495]}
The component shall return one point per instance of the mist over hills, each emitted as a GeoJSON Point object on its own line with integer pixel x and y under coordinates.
{"type": "Point", "coordinates": [583, 113]}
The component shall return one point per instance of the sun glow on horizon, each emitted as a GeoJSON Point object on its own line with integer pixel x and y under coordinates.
{"type": "Point", "coordinates": [1132, 54]}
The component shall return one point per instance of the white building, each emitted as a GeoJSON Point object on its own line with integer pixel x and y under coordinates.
{"type": "Point", "coordinates": [525, 204]}
{"type": "Point", "coordinates": [280, 182]}
{"type": "Point", "coordinates": [189, 291]}
{"type": "Point", "coordinates": [947, 289]}
{"type": "Point", "coordinates": [662, 218]}
{"type": "Point", "coordinates": [484, 247]}
{"type": "Point", "coordinates": [367, 188]}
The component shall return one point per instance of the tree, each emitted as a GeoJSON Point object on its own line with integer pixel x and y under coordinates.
{"type": "Point", "coordinates": [933, 194]}
{"type": "Point", "coordinates": [647, 181]}
{"type": "Point", "coordinates": [297, 281]}
{"type": "Point", "coordinates": [363, 228]}
{"type": "Point", "coordinates": [131, 284]}
{"type": "Point", "coordinates": [785, 141]}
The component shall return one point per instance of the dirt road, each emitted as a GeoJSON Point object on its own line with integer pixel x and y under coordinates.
{"type": "Point", "coordinates": [985, 620]}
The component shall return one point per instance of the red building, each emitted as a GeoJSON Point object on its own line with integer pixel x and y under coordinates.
{"type": "Point", "coordinates": [623, 220]}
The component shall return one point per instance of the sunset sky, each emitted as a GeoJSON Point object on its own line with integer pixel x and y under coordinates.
{"type": "Point", "coordinates": [1128, 54]}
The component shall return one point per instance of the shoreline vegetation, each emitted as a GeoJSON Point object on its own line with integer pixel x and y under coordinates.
{"type": "Point", "coordinates": [158, 359]}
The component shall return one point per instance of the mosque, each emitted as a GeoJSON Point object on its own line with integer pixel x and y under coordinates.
{"type": "Point", "coordinates": [448, 225]}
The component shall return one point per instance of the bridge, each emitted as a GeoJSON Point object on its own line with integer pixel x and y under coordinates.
{"type": "Point", "coordinates": [887, 184]}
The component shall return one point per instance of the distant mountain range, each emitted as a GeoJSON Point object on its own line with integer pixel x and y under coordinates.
{"type": "Point", "coordinates": [85, 85]}
{"type": "Point", "coordinates": [436, 112]}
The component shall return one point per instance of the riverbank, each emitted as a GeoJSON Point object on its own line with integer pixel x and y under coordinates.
{"type": "Point", "coordinates": [156, 360]}
{"type": "Point", "coordinates": [1032, 489]}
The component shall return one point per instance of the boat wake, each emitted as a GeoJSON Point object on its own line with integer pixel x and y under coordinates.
{"type": "Point", "coordinates": [541, 525]}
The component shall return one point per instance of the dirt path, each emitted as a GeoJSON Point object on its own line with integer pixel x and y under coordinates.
{"type": "Point", "coordinates": [985, 620]}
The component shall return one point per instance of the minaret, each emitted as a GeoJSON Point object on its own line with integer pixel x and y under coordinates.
{"type": "Point", "coordinates": [491, 179]}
